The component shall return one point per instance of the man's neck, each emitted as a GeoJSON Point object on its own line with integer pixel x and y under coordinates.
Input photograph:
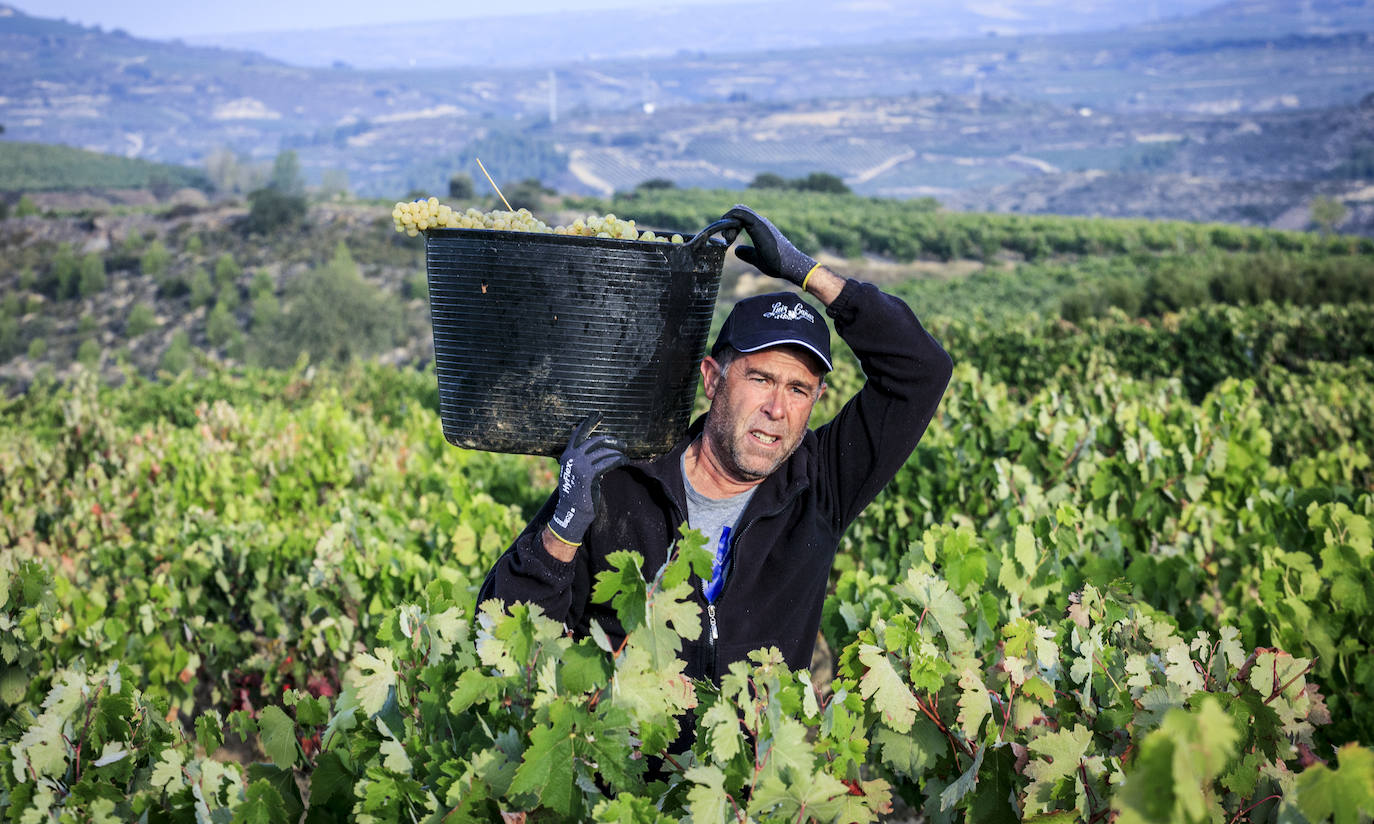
{"type": "Point", "coordinates": [708, 476]}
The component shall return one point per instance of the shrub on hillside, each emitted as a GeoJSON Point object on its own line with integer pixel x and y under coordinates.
{"type": "Point", "coordinates": [271, 210]}
{"type": "Point", "coordinates": [88, 353]}
{"type": "Point", "coordinates": [155, 258]}
{"type": "Point", "coordinates": [332, 314]}
{"type": "Point", "coordinates": [91, 280]}
{"type": "Point", "coordinates": [141, 319]}
{"type": "Point", "coordinates": [200, 287]}
{"type": "Point", "coordinates": [227, 270]}
{"type": "Point", "coordinates": [221, 326]}
{"type": "Point", "coordinates": [177, 357]}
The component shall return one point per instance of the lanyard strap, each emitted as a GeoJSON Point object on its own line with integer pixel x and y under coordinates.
{"type": "Point", "coordinates": [711, 589]}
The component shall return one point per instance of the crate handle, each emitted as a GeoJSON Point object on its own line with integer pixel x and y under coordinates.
{"type": "Point", "coordinates": [728, 227]}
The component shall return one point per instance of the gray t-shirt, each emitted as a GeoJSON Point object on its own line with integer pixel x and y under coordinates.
{"type": "Point", "coordinates": [712, 517]}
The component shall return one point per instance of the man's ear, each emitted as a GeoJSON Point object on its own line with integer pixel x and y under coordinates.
{"type": "Point", "coordinates": [710, 374]}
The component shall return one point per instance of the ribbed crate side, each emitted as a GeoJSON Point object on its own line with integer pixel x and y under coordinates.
{"type": "Point", "coordinates": [530, 337]}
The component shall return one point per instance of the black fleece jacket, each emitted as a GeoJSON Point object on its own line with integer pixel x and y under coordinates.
{"type": "Point", "coordinates": [789, 532]}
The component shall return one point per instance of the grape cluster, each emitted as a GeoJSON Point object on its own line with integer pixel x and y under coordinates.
{"type": "Point", "coordinates": [419, 215]}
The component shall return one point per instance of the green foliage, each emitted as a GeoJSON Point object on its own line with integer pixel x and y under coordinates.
{"type": "Point", "coordinates": [955, 646]}
{"type": "Point", "coordinates": [286, 175]}
{"type": "Point", "coordinates": [655, 183]}
{"type": "Point", "coordinates": [200, 287]}
{"type": "Point", "coordinates": [141, 319]}
{"type": "Point", "coordinates": [229, 297]}
{"type": "Point", "coordinates": [266, 311]}
{"type": "Point", "coordinates": [416, 286]}
{"type": "Point", "coordinates": [155, 259]}
{"type": "Point", "coordinates": [273, 211]}
{"type": "Point", "coordinates": [176, 358]}
{"type": "Point", "coordinates": [460, 187]}
{"type": "Point", "coordinates": [1128, 573]}
{"type": "Point", "coordinates": [63, 271]}
{"type": "Point", "coordinates": [1327, 213]}
{"type": "Point", "coordinates": [227, 270]}
{"type": "Point", "coordinates": [25, 207]}
{"type": "Point", "coordinates": [528, 194]}
{"type": "Point", "coordinates": [88, 353]}
{"type": "Point", "coordinates": [331, 314]}
{"type": "Point", "coordinates": [509, 157]}
{"type": "Point", "coordinates": [822, 182]}
{"type": "Point", "coordinates": [9, 337]}
{"type": "Point", "coordinates": [91, 280]}
{"type": "Point", "coordinates": [221, 326]}
{"type": "Point", "coordinates": [47, 167]}
{"type": "Point", "coordinates": [918, 230]}
{"type": "Point", "coordinates": [768, 180]}
{"type": "Point", "coordinates": [38, 348]}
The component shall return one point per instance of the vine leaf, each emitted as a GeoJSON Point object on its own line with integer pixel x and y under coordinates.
{"type": "Point", "coordinates": [1345, 794]}
{"type": "Point", "coordinates": [262, 804]}
{"type": "Point", "coordinates": [914, 753]}
{"type": "Point", "coordinates": [167, 773]}
{"type": "Point", "coordinates": [817, 795]}
{"type": "Point", "coordinates": [547, 769]}
{"type": "Point", "coordinates": [722, 730]}
{"type": "Point", "coordinates": [1064, 750]}
{"type": "Point", "coordinates": [964, 784]}
{"type": "Point", "coordinates": [974, 704]}
{"type": "Point", "coordinates": [1180, 669]}
{"type": "Point", "coordinates": [942, 607]}
{"type": "Point", "coordinates": [706, 798]}
{"type": "Point", "coordinates": [278, 734]}
{"type": "Point", "coordinates": [884, 687]}
{"type": "Point", "coordinates": [624, 587]}
{"type": "Point", "coordinates": [789, 750]}
{"type": "Point", "coordinates": [371, 678]}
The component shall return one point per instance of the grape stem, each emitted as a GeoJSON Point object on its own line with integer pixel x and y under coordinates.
{"type": "Point", "coordinates": [1006, 712]}
{"type": "Point", "coordinates": [1273, 797]}
{"type": "Point", "coordinates": [1289, 683]}
{"type": "Point", "coordinates": [966, 749]}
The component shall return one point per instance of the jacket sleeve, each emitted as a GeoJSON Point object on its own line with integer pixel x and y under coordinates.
{"type": "Point", "coordinates": [527, 572]}
{"type": "Point", "coordinates": [906, 372]}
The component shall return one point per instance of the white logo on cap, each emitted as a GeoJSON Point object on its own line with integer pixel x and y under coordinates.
{"type": "Point", "coordinates": [798, 312]}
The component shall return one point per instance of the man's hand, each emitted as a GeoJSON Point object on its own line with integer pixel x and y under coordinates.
{"type": "Point", "coordinates": [581, 466]}
{"type": "Point", "coordinates": [772, 253]}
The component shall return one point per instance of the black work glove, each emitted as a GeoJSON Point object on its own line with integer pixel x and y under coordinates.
{"type": "Point", "coordinates": [581, 466]}
{"type": "Point", "coordinates": [771, 253]}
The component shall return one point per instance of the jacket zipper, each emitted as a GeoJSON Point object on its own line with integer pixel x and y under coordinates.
{"type": "Point", "coordinates": [711, 607]}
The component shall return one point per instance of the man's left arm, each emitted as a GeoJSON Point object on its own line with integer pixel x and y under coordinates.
{"type": "Point", "coordinates": [906, 373]}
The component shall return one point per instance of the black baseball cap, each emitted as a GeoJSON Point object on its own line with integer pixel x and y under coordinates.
{"type": "Point", "coordinates": [775, 319]}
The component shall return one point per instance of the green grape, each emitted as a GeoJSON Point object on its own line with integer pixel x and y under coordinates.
{"type": "Point", "coordinates": [418, 215]}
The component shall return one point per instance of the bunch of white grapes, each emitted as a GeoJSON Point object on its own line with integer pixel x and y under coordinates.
{"type": "Point", "coordinates": [419, 215]}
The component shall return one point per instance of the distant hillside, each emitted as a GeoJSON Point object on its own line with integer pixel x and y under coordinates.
{"type": "Point", "coordinates": [666, 31]}
{"type": "Point", "coordinates": [1243, 109]}
{"type": "Point", "coordinates": [38, 166]}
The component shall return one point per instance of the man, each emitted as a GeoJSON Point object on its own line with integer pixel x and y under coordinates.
{"type": "Point", "coordinates": [772, 497]}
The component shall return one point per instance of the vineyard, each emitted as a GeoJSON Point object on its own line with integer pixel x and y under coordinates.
{"type": "Point", "coordinates": [1127, 576]}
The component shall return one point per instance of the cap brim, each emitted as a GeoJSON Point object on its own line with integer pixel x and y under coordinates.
{"type": "Point", "coordinates": [771, 342]}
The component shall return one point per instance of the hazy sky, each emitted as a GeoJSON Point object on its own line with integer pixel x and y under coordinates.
{"type": "Point", "coordinates": [176, 18]}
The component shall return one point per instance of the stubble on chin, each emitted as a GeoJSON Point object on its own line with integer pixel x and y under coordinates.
{"type": "Point", "coordinates": [728, 448]}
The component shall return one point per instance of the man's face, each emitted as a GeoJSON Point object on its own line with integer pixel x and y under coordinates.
{"type": "Point", "coordinates": [760, 407]}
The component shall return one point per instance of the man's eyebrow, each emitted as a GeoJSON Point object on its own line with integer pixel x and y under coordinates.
{"type": "Point", "coordinates": [764, 373]}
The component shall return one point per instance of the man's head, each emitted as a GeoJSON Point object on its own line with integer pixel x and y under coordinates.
{"type": "Point", "coordinates": [765, 373]}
